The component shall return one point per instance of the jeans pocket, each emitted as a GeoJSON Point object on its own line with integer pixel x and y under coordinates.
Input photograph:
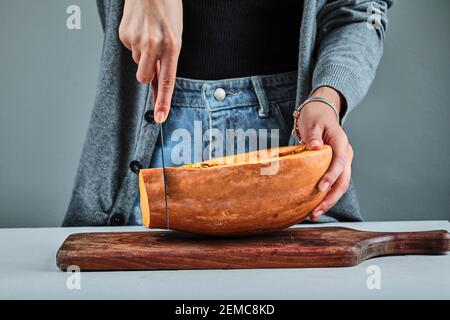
{"type": "Point", "coordinates": [283, 112]}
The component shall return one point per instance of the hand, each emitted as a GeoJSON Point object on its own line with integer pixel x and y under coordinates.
{"type": "Point", "coordinates": [151, 30]}
{"type": "Point", "coordinates": [318, 125]}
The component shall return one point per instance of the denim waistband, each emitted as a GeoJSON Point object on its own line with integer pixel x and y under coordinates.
{"type": "Point", "coordinates": [235, 92]}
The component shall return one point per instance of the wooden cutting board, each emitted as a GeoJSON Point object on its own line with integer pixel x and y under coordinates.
{"type": "Point", "coordinates": [290, 248]}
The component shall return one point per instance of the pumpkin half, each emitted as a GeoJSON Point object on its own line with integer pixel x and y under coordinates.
{"type": "Point", "coordinates": [243, 194]}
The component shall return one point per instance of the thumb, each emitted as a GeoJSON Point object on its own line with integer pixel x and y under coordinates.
{"type": "Point", "coordinates": [312, 138]}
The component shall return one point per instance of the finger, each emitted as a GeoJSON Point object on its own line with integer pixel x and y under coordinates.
{"type": "Point", "coordinates": [125, 40]}
{"type": "Point", "coordinates": [123, 35]}
{"type": "Point", "coordinates": [338, 190]}
{"type": "Point", "coordinates": [136, 53]}
{"type": "Point", "coordinates": [166, 83]}
{"type": "Point", "coordinates": [127, 45]}
{"type": "Point", "coordinates": [312, 137]}
{"type": "Point", "coordinates": [155, 82]}
{"type": "Point", "coordinates": [340, 159]}
{"type": "Point", "coordinates": [146, 67]}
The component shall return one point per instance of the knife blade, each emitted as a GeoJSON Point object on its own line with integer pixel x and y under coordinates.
{"type": "Point", "coordinates": [154, 92]}
{"type": "Point", "coordinates": [164, 174]}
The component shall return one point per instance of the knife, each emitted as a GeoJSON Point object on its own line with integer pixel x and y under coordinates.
{"type": "Point", "coordinates": [164, 174]}
{"type": "Point", "coordinates": [154, 84]}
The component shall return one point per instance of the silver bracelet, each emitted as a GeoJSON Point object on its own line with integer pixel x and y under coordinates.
{"type": "Point", "coordinates": [296, 131]}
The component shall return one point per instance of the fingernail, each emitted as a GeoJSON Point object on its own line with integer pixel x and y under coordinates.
{"type": "Point", "coordinates": [324, 186]}
{"type": "Point", "coordinates": [159, 118]}
{"type": "Point", "coordinates": [314, 144]}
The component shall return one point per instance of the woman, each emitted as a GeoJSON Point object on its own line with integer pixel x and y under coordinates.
{"type": "Point", "coordinates": [236, 65]}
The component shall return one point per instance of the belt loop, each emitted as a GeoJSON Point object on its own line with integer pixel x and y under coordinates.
{"type": "Point", "coordinates": [263, 111]}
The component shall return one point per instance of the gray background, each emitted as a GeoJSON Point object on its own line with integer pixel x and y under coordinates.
{"type": "Point", "coordinates": [47, 85]}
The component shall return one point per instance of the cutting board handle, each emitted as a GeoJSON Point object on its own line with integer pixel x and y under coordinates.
{"type": "Point", "coordinates": [398, 243]}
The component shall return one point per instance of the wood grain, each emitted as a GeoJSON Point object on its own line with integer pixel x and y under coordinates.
{"type": "Point", "coordinates": [290, 248]}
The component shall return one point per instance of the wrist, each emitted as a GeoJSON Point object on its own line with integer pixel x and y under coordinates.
{"type": "Point", "coordinates": [315, 112]}
{"type": "Point", "coordinates": [330, 94]}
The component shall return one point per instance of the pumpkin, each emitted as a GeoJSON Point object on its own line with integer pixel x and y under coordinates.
{"type": "Point", "coordinates": [248, 193]}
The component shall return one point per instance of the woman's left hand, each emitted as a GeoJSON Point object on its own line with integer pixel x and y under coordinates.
{"type": "Point", "coordinates": [317, 126]}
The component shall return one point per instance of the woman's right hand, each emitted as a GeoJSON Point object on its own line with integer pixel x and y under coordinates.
{"type": "Point", "coordinates": [151, 30]}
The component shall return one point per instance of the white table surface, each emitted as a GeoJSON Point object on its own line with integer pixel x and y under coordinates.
{"type": "Point", "coordinates": [28, 271]}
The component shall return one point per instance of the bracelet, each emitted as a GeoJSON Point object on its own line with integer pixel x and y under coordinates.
{"type": "Point", "coordinates": [296, 131]}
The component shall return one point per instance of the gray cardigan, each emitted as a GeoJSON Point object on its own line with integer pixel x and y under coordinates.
{"type": "Point", "coordinates": [338, 48]}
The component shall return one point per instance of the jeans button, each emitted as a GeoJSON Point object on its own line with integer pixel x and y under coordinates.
{"type": "Point", "coordinates": [219, 94]}
{"type": "Point", "coordinates": [116, 220]}
{"type": "Point", "coordinates": [135, 166]}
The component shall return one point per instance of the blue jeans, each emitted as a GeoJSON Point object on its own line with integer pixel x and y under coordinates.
{"type": "Point", "coordinates": [202, 111]}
